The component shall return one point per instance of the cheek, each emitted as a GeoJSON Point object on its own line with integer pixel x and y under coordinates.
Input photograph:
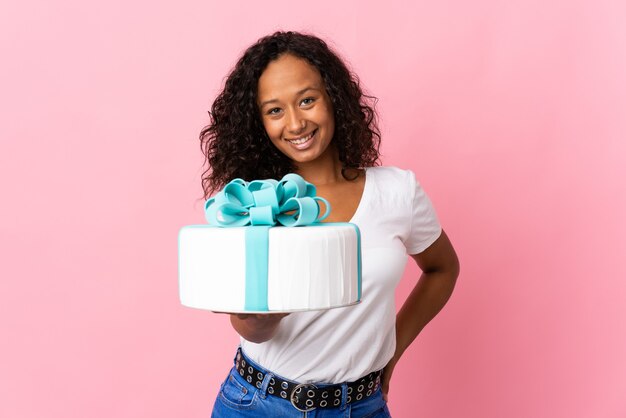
{"type": "Point", "coordinates": [327, 118]}
{"type": "Point", "coordinates": [271, 129]}
{"type": "Point", "coordinates": [330, 123]}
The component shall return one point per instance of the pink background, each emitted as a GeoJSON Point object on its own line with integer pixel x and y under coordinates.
{"type": "Point", "coordinates": [512, 114]}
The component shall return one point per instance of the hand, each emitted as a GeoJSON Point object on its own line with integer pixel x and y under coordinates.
{"type": "Point", "coordinates": [256, 320]}
{"type": "Point", "coordinates": [387, 372]}
{"type": "Point", "coordinates": [256, 328]}
{"type": "Point", "coordinates": [261, 320]}
{"type": "Point", "coordinates": [260, 317]}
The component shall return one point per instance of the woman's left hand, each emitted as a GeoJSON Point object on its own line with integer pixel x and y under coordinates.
{"type": "Point", "coordinates": [387, 372]}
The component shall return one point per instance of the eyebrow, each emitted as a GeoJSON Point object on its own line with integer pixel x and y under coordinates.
{"type": "Point", "coordinates": [298, 93]}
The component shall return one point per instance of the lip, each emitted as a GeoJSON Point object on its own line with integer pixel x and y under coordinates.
{"type": "Point", "coordinates": [304, 145]}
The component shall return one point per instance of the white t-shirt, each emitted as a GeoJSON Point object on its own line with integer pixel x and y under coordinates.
{"type": "Point", "coordinates": [396, 218]}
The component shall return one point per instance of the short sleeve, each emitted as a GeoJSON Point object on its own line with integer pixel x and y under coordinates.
{"type": "Point", "coordinates": [424, 224]}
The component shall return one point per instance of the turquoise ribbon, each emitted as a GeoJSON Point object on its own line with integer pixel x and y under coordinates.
{"type": "Point", "coordinates": [257, 256]}
{"type": "Point", "coordinates": [289, 202]}
{"type": "Point", "coordinates": [263, 204]}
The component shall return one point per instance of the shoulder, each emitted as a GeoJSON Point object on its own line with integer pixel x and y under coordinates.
{"type": "Point", "coordinates": [392, 177]}
{"type": "Point", "coordinates": [405, 205]}
{"type": "Point", "coordinates": [390, 187]}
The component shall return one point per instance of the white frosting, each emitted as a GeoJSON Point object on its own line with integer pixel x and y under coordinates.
{"type": "Point", "coordinates": [309, 268]}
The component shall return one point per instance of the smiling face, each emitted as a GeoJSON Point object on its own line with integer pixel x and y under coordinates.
{"type": "Point", "coordinates": [295, 109]}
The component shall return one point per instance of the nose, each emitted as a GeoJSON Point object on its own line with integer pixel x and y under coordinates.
{"type": "Point", "coordinates": [295, 122]}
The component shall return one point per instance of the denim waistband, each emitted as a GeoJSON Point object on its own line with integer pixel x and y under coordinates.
{"type": "Point", "coordinates": [306, 396]}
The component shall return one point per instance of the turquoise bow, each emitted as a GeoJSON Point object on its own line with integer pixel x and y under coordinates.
{"type": "Point", "coordinates": [289, 202]}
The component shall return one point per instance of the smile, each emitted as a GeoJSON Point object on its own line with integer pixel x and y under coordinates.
{"type": "Point", "coordinates": [302, 140]}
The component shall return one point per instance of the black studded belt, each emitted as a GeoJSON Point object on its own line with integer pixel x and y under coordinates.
{"type": "Point", "coordinates": [308, 396]}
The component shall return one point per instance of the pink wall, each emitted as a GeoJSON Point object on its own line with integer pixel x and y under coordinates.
{"type": "Point", "coordinates": [513, 115]}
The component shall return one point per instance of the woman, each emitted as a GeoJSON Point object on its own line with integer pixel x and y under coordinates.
{"type": "Point", "coordinates": [291, 105]}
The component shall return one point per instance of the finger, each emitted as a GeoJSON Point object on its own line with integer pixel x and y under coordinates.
{"type": "Point", "coordinates": [265, 316]}
{"type": "Point", "coordinates": [385, 387]}
{"type": "Point", "coordinates": [275, 315]}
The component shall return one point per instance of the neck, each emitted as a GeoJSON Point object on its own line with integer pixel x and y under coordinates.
{"type": "Point", "coordinates": [322, 171]}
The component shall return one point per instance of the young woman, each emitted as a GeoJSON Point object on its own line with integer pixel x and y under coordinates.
{"type": "Point", "coordinates": [291, 105]}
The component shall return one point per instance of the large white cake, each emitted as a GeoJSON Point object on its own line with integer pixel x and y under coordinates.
{"type": "Point", "coordinates": [307, 268]}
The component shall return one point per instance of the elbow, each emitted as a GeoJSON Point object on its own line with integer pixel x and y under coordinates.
{"type": "Point", "coordinates": [453, 271]}
{"type": "Point", "coordinates": [455, 268]}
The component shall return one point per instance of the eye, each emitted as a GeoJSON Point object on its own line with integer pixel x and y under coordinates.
{"type": "Point", "coordinates": [273, 111]}
{"type": "Point", "coordinates": [307, 101]}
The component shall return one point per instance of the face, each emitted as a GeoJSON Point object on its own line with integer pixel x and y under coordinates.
{"type": "Point", "coordinates": [296, 110]}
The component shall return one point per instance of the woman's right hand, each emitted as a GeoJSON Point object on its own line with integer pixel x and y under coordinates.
{"type": "Point", "coordinates": [256, 328]}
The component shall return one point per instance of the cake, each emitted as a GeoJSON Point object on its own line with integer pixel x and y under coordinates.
{"type": "Point", "coordinates": [265, 250]}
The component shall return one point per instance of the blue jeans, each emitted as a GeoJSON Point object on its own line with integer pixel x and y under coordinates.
{"type": "Point", "coordinates": [238, 398]}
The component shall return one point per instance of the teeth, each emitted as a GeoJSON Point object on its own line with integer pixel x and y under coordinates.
{"type": "Point", "coordinates": [299, 141]}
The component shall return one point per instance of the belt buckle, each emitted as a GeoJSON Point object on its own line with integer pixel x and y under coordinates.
{"type": "Point", "coordinates": [293, 395]}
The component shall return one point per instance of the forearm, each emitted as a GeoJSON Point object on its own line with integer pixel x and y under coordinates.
{"type": "Point", "coordinates": [428, 297]}
{"type": "Point", "coordinates": [440, 267]}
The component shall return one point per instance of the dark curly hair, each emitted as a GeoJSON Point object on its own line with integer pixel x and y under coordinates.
{"type": "Point", "coordinates": [235, 143]}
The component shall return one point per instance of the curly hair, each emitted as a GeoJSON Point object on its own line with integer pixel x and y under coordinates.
{"type": "Point", "coordinates": [235, 143]}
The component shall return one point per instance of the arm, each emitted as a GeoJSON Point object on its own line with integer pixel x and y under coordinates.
{"type": "Point", "coordinates": [256, 328]}
{"type": "Point", "coordinates": [440, 269]}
